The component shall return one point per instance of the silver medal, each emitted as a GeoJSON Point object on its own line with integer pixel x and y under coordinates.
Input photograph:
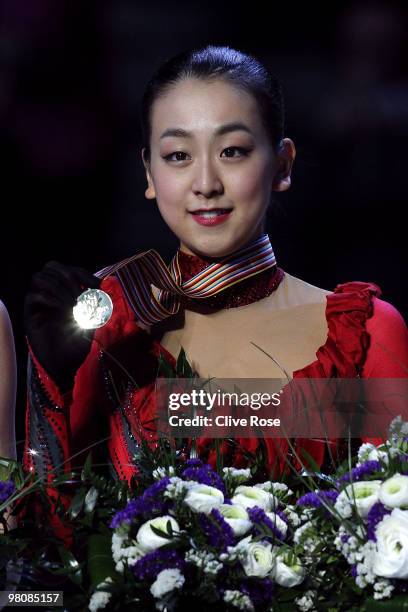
{"type": "Point", "coordinates": [93, 309]}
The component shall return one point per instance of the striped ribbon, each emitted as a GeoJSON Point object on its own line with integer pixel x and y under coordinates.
{"type": "Point", "coordinates": [137, 274]}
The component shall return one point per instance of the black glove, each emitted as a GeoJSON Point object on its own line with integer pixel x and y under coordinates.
{"type": "Point", "coordinates": [57, 341]}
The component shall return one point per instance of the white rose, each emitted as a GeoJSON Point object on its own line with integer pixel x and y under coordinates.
{"type": "Point", "coordinates": [252, 496]}
{"type": "Point", "coordinates": [394, 491]}
{"type": "Point", "coordinates": [237, 518]}
{"type": "Point", "coordinates": [148, 540]}
{"type": "Point", "coordinates": [287, 575]}
{"type": "Point", "coordinates": [257, 559]}
{"type": "Point", "coordinates": [203, 498]}
{"type": "Point", "coordinates": [391, 557]}
{"type": "Point", "coordinates": [278, 522]}
{"type": "Point", "coordinates": [361, 495]}
{"type": "Point", "coordinates": [167, 580]}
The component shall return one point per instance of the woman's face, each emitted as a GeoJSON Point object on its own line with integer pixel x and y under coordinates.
{"type": "Point", "coordinates": [212, 166]}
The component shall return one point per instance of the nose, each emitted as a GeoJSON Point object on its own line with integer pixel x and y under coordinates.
{"type": "Point", "coordinates": [207, 181]}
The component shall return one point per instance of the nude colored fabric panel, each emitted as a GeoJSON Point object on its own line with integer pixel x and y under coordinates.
{"type": "Point", "coordinates": [290, 325]}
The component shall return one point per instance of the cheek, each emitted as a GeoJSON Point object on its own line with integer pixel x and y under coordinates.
{"type": "Point", "coordinates": [251, 185]}
{"type": "Point", "coordinates": [169, 193]}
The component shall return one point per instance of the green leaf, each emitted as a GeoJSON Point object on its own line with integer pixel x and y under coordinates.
{"type": "Point", "coordinates": [160, 533]}
{"type": "Point", "coordinates": [87, 469]}
{"type": "Point", "coordinates": [183, 368]}
{"type": "Point", "coordinates": [71, 565]}
{"type": "Point", "coordinates": [100, 562]}
{"type": "Point", "coordinates": [399, 603]}
{"type": "Point", "coordinates": [91, 499]}
{"type": "Point", "coordinates": [77, 503]}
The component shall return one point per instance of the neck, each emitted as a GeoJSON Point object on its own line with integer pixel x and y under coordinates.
{"type": "Point", "coordinates": [244, 292]}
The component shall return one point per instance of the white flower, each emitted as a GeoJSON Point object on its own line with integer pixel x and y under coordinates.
{"type": "Point", "coordinates": [284, 574]}
{"type": "Point", "coordinates": [277, 522]}
{"type": "Point", "coordinates": [394, 491]}
{"type": "Point", "coordinates": [305, 602]}
{"type": "Point", "coordinates": [277, 488]}
{"type": "Point", "coordinates": [123, 552]}
{"type": "Point", "coordinates": [203, 498]}
{"type": "Point", "coordinates": [257, 559]}
{"type": "Point", "coordinates": [369, 452]}
{"type": "Point", "coordinates": [162, 472]}
{"type": "Point", "coordinates": [391, 559]}
{"type": "Point", "coordinates": [100, 598]}
{"type": "Point", "coordinates": [237, 518]}
{"type": "Point", "coordinates": [359, 495]}
{"type": "Point", "coordinates": [253, 496]}
{"type": "Point", "coordinates": [239, 600]}
{"type": "Point", "coordinates": [167, 580]}
{"type": "Point", "coordinates": [383, 589]}
{"type": "Point", "coordinates": [177, 487]}
{"type": "Point", "coordinates": [206, 561]}
{"type": "Point", "coordinates": [363, 558]}
{"type": "Point", "coordinates": [237, 475]}
{"type": "Point", "coordinates": [291, 514]}
{"type": "Point", "coordinates": [148, 540]}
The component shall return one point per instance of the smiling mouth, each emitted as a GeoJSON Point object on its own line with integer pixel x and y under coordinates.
{"type": "Point", "coordinates": [211, 213]}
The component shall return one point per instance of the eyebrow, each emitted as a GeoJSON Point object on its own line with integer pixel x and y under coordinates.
{"type": "Point", "coordinates": [223, 129]}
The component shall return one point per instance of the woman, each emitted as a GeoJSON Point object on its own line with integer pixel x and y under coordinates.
{"type": "Point", "coordinates": [7, 397]}
{"type": "Point", "coordinates": [7, 387]}
{"type": "Point", "coordinates": [214, 152]}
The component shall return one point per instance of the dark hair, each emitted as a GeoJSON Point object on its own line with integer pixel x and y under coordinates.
{"type": "Point", "coordinates": [211, 62]}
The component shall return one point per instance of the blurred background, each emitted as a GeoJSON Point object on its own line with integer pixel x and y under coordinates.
{"type": "Point", "coordinates": [72, 182]}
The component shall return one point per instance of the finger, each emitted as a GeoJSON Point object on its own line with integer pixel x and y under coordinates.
{"type": "Point", "coordinates": [78, 277]}
{"type": "Point", "coordinates": [67, 289]}
{"type": "Point", "coordinates": [50, 284]}
{"type": "Point", "coordinates": [86, 279]}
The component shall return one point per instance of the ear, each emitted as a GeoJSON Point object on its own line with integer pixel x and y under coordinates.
{"type": "Point", "coordinates": [150, 192]}
{"type": "Point", "coordinates": [285, 158]}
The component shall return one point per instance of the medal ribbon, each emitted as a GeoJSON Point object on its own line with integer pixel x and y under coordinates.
{"type": "Point", "coordinates": [137, 274]}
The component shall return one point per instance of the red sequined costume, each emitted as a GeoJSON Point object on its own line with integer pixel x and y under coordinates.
{"type": "Point", "coordinates": [106, 405]}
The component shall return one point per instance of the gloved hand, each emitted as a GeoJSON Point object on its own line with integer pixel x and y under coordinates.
{"type": "Point", "coordinates": [57, 341]}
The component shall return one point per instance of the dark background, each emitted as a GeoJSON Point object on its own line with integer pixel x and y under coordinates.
{"type": "Point", "coordinates": [72, 186]}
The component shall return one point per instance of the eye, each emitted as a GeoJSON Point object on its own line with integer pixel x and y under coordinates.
{"type": "Point", "coordinates": [243, 152]}
{"type": "Point", "coordinates": [178, 154]}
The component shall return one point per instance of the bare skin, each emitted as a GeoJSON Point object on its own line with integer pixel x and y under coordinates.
{"type": "Point", "coordinates": [194, 166]}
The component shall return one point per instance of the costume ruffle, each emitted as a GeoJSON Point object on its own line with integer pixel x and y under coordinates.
{"type": "Point", "coordinates": [345, 350]}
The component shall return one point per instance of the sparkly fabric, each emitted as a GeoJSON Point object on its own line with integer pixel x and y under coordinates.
{"type": "Point", "coordinates": [242, 293]}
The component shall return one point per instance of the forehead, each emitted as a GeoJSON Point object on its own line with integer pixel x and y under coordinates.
{"type": "Point", "coordinates": [198, 104]}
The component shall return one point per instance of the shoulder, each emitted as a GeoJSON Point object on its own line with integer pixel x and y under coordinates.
{"type": "Point", "coordinates": [298, 292]}
{"type": "Point", "coordinates": [5, 323]}
{"type": "Point", "coordinates": [388, 352]}
{"type": "Point", "coordinates": [7, 351]}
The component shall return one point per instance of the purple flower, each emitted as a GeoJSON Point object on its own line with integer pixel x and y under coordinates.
{"type": "Point", "coordinates": [204, 474]}
{"type": "Point", "coordinates": [366, 469]}
{"type": "Point", "coordinates": [194, 463]}
{"type": "Point", "coordinates": [259, 518]}
{"type": "Point", "coordinates": [150, 502]}
{"type": "Point", "coordinates": [282, 515]}
{"type": "Point", "coordinates": [219, 534]}
{"type": "Point", "coordinates": [345, 538]}
{"type": "Point", "coordinates": [354, 571]}
{"type": "Point", "coordinates": [375, 516]}
{"type": "Point", "coordinates": [260, 591]}
{"type": "Point", "coordinates": [149, 566]}
{"type": "Point", "coordinates": [315, 499]}
{"type": "Point", "coordinates": [7, 488]}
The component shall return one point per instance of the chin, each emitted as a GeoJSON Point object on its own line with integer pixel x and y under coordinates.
{"type": "Point", "coordinates": [213, 251]}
